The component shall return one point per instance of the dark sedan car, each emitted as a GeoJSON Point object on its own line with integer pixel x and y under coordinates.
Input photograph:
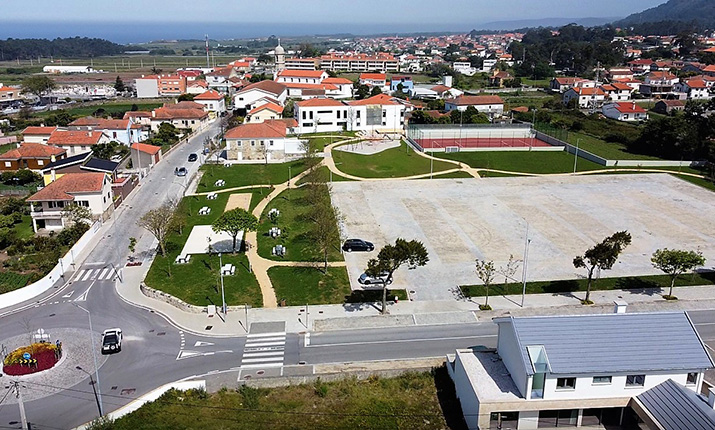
{"type": "Point", "coordinates": [193, 157]}
{"type": "Point", "coordinates": [351, 245]}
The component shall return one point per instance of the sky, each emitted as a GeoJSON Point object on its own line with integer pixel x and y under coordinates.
{"type": "Point", "coordinates": [317, 11]}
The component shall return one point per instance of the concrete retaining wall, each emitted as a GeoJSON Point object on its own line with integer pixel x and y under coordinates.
{"type": "Point", "coordinates": [168, 298]}
{"type": "Point", "coordinates": [64, 265]}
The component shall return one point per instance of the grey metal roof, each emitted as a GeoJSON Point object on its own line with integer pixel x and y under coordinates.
{"type": "Point", "coordinates": [675, 407]}
{"type": "Point", "coordinates": [612, 343]}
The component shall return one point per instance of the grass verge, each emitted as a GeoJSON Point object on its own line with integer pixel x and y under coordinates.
{"type": "Point", "coordinates": [324, 175]}
{"type": "Point", "coordinates": [309, 285]}
{"type": "Point", "coordinates": [540, 162]}
{"type": "Point", "coordinates": [392, 163]}
{"type": "Point", "coordinates": [241, 175]}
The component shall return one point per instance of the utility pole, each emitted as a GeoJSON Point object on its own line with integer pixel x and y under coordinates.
{"type": "Point", "coordinates": [208, 64]}
{"type": "Point", "coordinates": [18, 394]}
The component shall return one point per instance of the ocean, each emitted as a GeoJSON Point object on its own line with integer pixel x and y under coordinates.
{"type": "Point", "coordinates": [141, 32]}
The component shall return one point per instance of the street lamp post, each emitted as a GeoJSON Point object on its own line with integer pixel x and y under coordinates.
{"type": "Point", "coordinates": [290, 176]}
{"type": "Point", "coordinates": [526, 261]}
{"type": "Point", "coordinates": [575, 157]}
{"type": "Point", "coordinates": [94, 356]}
{"type": "Point", "coordinates": [223, 294]}
{"type": "Point", "coordinates": [94, 388]}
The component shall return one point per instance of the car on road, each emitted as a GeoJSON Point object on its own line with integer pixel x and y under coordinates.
{"type": "Point", "coordinates": [193, 157]}
{"type": "Point", "coordinates": [366, 279]}
{"type": "Point", "coordinates": [180, 171]}
{"type": "Point", "coordinates": [351, 245]}
{"type": "Point", "coordinates": [111, 340]}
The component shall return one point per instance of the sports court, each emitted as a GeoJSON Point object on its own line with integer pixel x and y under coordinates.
{"type": "Point", "coordinates": [460, 220]}
{"type": "Point", "coordinates": [453, 138]}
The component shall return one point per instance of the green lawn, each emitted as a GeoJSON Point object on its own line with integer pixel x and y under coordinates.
{"type": "Point", "coordinates": [526, 161]}
{"type": "Point", "coordinates": [453, 175]}
{"type": "Point", "coordinates": [324, 175]}
{"type": "Point", "coordinates": [109, 109]}
{"type": "Point", "coordinates": [320, 142]}
{"type": "Point", "coordinates": [571, 285]}
{"type": "Point", "coordinates": [240, 175]}
{"type": "Point", "coordinates": [309, 285]}
{"type": "Point", "coordinates": [10, 281]}
{"type": "Point", "coordinates": [418, 401]}
{"type": "Point", "coordinates": [24, 229]}
{"type": "Point", "coordinates": [194, 281]}
{"type": "Point", "coordinates": [392, 163]}
{"type": "Point", "coordinates": [608, 150]}
{"type": "Point", "coordinates": [295, 229]}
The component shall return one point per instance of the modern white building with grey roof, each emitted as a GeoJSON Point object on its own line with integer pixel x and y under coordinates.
{"type": "Point", "coordinates": [572, 371]}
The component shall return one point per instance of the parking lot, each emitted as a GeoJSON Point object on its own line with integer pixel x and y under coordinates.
{"type": "Point", "coordinates": [460, 220]}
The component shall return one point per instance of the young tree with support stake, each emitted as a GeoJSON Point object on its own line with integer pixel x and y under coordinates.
{"type": "Point", "coordinates": [602, 256]}
{"type": "Point", "coordinates": [235, 221]}
{"type": "Point", "coordinates": [392, 257]}
{"type": "Point", "coordinates": [675, 262]}
{"type": "Point", "coordinates": [159, 222]}
{"type": "Point", "coordinates": [486, 272]}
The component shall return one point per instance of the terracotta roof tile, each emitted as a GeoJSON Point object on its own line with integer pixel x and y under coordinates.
{"type": "Point", "coordinates": [149, 149]}
{"type": "Point", "coordinates": [209, 95]}
{"type": "Point", "coordinates": [166, 113]}
{"type": "Point", "coordinates": [256, 131]}
{"type": "Point", "coordinates": [68, 184]}
{"type": "Point", "coordinates": [380, 99]}
{"type": "Point", "coordinates": [32, 150]}
{"type": "Point", "coordinates": [374, 76]}
{"type": "Point", "coordinates": [270, 106]}
{"type": "Point", "coordinates": [268, 86]}
{"type": "Point", "coordinates": [75, 137]}
{"type": "Point", "coordinates": [297, 73]}
{"type": "Point", "coordinates": [38, 131]}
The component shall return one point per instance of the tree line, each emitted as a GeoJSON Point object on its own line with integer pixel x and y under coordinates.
{"type": "Point", "coordinates": [11, 49]}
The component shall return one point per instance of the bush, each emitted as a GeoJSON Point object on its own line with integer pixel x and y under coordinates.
{"type": "Point", "coordinates": [72, 234]}
{"type": "Point", "coordinates": [34, 348]}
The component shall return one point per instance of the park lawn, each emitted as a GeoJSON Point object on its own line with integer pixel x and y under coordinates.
{"type": "Point", "coordinates": [319, 141]}
{"type": "Point", "coordinates": [194, 281]}
{"type": "Point", "coordinates": [608, 150]}
{"type": "Point", "coordinates": [453, 175]}
{"type": "Point", "coordinates": [24, 229]}
{"type": "Point", "coordinates": [109, 108]}
{"type": "Point", "coordinates": [309, 285]}
{"type": "Point", "coordinates": [539, 162]}
{"type": "Point", "coordinates": [574, 285]}
{"type": "Point", "coordinates": [418, 401]}
{"type": "Point", "coordinates": [392, 163]}
{"type": "Point", "coordinates": [295, 229]}
{"type": "Point", "coordinates": [10, 281]}
{"type": "Point", "coordinates": [324, 175]}
{"type": "Point", "coordinates": [241, 175]}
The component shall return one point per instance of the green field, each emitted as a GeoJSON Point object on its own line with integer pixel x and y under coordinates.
{"type": "Point", "coordinates": [309, 285]}
{"type": "Point", "coordinates": [634, 284]}
{"type": "Point", "coordinates": [10, 281]}
{"type": "Point", "coordinates": [109, 108]}
{"type": "Point", "coordinates": [392, 163]}
{"type": "Point", "coordinates": [324, 175]}
{"type": "Point", "coordinates": [295, 229]}
{"type": "Point", "coordinates": [452, 175]}
{"type": "Point", "coordinates": [539, 162]}
{"type": "Point", "coordinates": [198, 279]}
{"type": "Point", "coordinates": [240, 175]}
{"type": "Point", "coordinates": [608, 150]}
{"type": "Point", "coordinates": [417, 401]}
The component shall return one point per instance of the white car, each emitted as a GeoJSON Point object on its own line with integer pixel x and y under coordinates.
{"type": "Point", "coordinates": [111, 340]}
{"type": "Point", "coordinates": [366, 279]}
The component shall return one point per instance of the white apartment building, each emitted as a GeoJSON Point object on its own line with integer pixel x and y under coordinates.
{"type": "Point", "coordinates": [249, 95]}
{"type": "Point", "coordinates": [693, 89]}
{"type": "Point", "coordinates": [381, 113]}
{"type": "Point", "coordinates": [576, 370]}
{"type": "Point", "coordinates": [585, 97]}
{"type": "Point", "coordinates": [355, 62]}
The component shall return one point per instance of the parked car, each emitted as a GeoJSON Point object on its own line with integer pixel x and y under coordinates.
{"type": "Point", "coordinates": [351, 245]}
{"type": "Point", "coordinates": [111, 340]}
{"type": "Point", "coordinates": [366, 279]}
{"type": "Point", "coordinates": [193, 157]}
{"type": "Point", "coordinates": [180, 171]}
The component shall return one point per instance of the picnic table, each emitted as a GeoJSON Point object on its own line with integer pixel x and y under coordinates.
{"type": "Point", "coordinates": [228, 269]}
{"type": "Point", "coordinates": [205, 210]}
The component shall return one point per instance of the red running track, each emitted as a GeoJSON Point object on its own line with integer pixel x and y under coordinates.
{"type": "Point", "coordinates": [482, 142]}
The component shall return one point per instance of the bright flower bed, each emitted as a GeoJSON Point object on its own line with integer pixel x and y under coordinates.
{"type": "Point", "coordinates": [46, 354]}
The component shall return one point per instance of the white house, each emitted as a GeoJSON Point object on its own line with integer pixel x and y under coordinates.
{"type": "Point", "coordinates": [375, 80]}
{"type": "Point", "coordinates": [91, 190]}
{"type": "Point", "coordinates": [624, 111]}
{"type": "Point", "coordinates": [289, 76]}
{"type": "Point", "coordinates": [658, 83]}
{"type": "Point", "coordinates": [264, 112]}
{"type": "Point", "coordinates": [694, 89]}
{"type": "Point", "coordinates": [322, 115]}
{"type": "Point", "coordinates": [465, 67]}
{"type": "Point", "coordinates": [213, 101]}
{"type": "Point", "coordinates": [381, 113]}
{"type": "Point", "coordinates": [77, 141]}
{"type": "Point", "coordinates": [244, 98]}
{"type": "Point", "coordinates": [124, 131]}
{"type": "Point", "coordinates": [268, 141]}
{"type": "Point", "coordinates": [181, 115]}
{"type": "Point", "coordinates": [585, 97]}
{"type": "Point", "coordinates": [37, 134]}
{"type": "Point", "coordinates": [576, 370]}
{"type": "Point", "coordinates": [617, 92]}
{"type": "Point", "coordinates": [491, 105]}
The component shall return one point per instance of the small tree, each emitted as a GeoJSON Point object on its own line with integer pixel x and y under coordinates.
{"type": "Point", "coordinates": [235, 221]}
{"type": "Point", "coordinates": [325, 232]}
{"type": "Point", "coordinates": [509, 270]}
{"type": "Point", "coordinates": [77, 213]}
{"type": "Point", "coordinates": [376, 91]}
{"type": "Point", "coordinates": [159, 222]}
{"type": "Point", "coordinates": [392, 257]}
{"type": "Point", "coordinates": [119, 85]}
{"type": "Point", "coordinates": [38, 85]}
{"type": "Point", "coordinates": [675, 262]}
{"type": "Point", "coordinates": [132, 246]}
{"type": "Point", "coordinates": [486, 273]}
{"type": "Point", "coordinates": [602, 256]}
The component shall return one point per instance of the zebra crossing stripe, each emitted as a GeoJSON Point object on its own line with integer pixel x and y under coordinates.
{"type": "Point", "coordinates": [87, 275]}
{"type": "Point", "coordinates": [263, 360]}
{"type": "Point", "coordinates": [104, 272]}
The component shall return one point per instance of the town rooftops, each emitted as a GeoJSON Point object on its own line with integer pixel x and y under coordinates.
{"type": "Point", "coordinates": [319, 102]}
{"type": "Point", "coordinates": [75, 137]}
{"type": "Point", "coordinates": [69, 184]}
{"type": "Point", "coordinates": [270, 106]}
{"type": "Point", "coordinates": [373, 76]}
{"type": "Point", "coordinates": [137, 114]}
{"type": "Point", "coordinates": [268, 86]}
{"type": "Point", "coordinates": [297, 73]}
{"type": "Point", "coordinates": [103, 123]}
{"type": "Point", "coordinates": [696, 83]}
{"type": "Point", "coordinates": [440, 88]}
{"type": "Point", "coordinates": [674, 407]}
{"type": "Point", "coordinates": [588, 91]}
{"type": "Point", "coordinates": [257, 131]}
{"type": "Point", "coordinates": [172, 113]}
{"type": "Point", "coordinates": [184, 104]}
{"type": "Point", "coordinates": [38, 131]}
{"type": "Point", "coordinates": [628, 107]}
{"type": "Point", "coordinates": [379, 99]}
{"type": "Point", "coordinates": [337, 81]}
{"type": "Point", "coordinates": [209, 95]}
{"type": "Point", "coordinates": [661, 75]}
{"type": "Point", "coordinates": [149, 149]}
{"type": "Point", "coordinates": [475, 100]}
{"type": "Point", "coordinates": [32, 150]}
{"type": "Point", "coordinates": [609, 343]}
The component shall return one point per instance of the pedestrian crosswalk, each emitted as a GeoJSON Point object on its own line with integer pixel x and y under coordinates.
{"type": "Point", "coordinates": [104, 273]}
{"type": "Point", "coordinates": [264, 350]}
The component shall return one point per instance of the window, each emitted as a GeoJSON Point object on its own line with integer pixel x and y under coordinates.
{"type": "Point", "coordinates": [566, 383]}
{"type": "Point", "coordinates": [270, 143]}
{"type": "Point", "coordinates": [635, 380]}
{"type": "Point", "coordinates": [602, 379]}
{"type": "Point", "coordinates": [84, 203]}
{"type": "Point", "coordinates": [692, 378]}
{"type": "Point", "coordinates": [40, 162]}
{"type": "Point", "coordinates": [303, 114]}
{"type": "Point", "coordinates": [311, 114]}
{"type": "Point", "coordinates": [253, 143]}
{"type": "Point", "coordinates": [357, 114]}
{"type": "Point", "coordinates": [8, 164]}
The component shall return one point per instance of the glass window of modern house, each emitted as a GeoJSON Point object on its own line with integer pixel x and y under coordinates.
{"type": "Point", "coordinates": [566, 383]}
{"type": "Point", "coordinates": [602, 379]}
{"type": "Point", "coordinates": [635, 380]}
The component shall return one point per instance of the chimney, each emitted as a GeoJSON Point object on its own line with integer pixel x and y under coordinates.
{"type": "Point", "coordinates": [620, 307]}
{"type": "Point", "coordinates": [634, 105]}
{"type": "Point", "coordinates": [711, 398]}
{"type": "Point", "coordinates": [447, 79]}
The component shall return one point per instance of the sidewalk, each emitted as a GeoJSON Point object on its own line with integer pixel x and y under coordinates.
{"type": "Point", "coordinates": [408, 313]}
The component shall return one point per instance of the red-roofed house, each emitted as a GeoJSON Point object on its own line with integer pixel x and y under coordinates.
{"type": "Point", "coordinates": [77, 141]}
{"type": "Point", "coordinates": [264, 112]}
{"type": "Point", "coordinates": [301, 76]}
{"type": "Point", "coordinates": [9, 94]}
{"type": "Point", "coordinates": [617, 91]}
{"type": "Point", "coordinates": [187, 118]}
{"type": "Point", "coordinates": [585, 97]}
{"type": "Point", "coordinates": [124, 131]}
{"type": "Point", "coordinates": [33, 156]}
{"type": "Point", "coordinates": [139, 117]}
{"type": "Point", "coordinates": [37, 134]}
{"type": "Point", "coordinates": [490, 105]}
{"type": "Point", "coordinates": [267, 141]}
{"type": "Point", "coordinates": [375, 80]}
{"type": "Point", "coordinates": [91, 190]}
{"type": "Point", "coordinates": [694, 89]}
{"type": "Point", "coordinates": [246, 97]}
{"type": "Point", "coordinates": [145, 156]}
{"type": "Point", "coordinates": [658, 84]}
{"type": "Point", "coordinates": [624, 111]}
{"type": "Point", "coordinates": [563, 84]}
{"type": "Point", "coordinates": [213, 101]}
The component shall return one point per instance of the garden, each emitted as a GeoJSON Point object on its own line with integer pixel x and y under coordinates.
{"type": "Point", "coordinates": [391, 163]}
{"type": "Point", "coordinates": [242, 175]}
{"type": "Point", "coordinates": [32, 358]}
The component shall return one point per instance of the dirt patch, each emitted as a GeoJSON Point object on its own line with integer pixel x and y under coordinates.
{"type": "Point", "coordinates": [242, 200]}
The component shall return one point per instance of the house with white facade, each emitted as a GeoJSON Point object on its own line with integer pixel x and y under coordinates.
{"type": "Point", "coordinates": [267, 141]}
{"type": "Point", "coordinates": [465, 67]}
{"type": "Point", "coordinates": [77, 141]}
{"type": "Point", "coordinates": [91, 190]}
{"type": "Point", "coordinates": [37, 134]}
{"type": "Point", "coordinates": [213, 102]}
{"type": "Point", "coordinates": [624, 111]}
{"type": "Point", "coordinates": [246, 97]}
{"type": "Point", "coordinates": [381, 113]}
{"type": "Point", "coordinates": [693, 89]}
{"type": "Point", "coordinates": [264, 112]}
{"type": "Point", "coordinates": [181, 116]}
{"type": "Point", "coordinates": [576, 370]}
{"type": "Point", "coordinates": [617, 92]}
{"type": "Point", "coordinates": [492, 106]}
{"type": "Point", "coordinates": [585, 97]}
{"type": "Point", "coordinates": [374, 80]}
{"type": "Point", "coordinates": [658, 84]}
{"type": "Point", "coordinates": [289, 76]}
{"type": "Point", "coordinates": [124, 131]}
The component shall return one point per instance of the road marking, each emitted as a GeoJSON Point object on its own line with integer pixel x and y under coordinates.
{"type": "Point", "coordinates": [307, 339]}
{"type": "Point", "coordinates": [263, 360]}
{"type": "Point", "coordinates": [253, 345]}
{"type": "Point", "coordinates": [261, 365]}
{"type": "Point", "coordinates": [68, 295]}
{"type": "Point", "coordinates": [187, 354]}
{"type": "Point", "coordinates": [264, 350]}
{"type": "Point", "coordinates": [400, 341]}
{"type": "Point", "coordinates": [200, 343]}
{"type": "Point", "coordinates": [82, 297]}
{"type": "Point", "coordinates": [256, 354]}
{"type": "Point", "coordinates": [87, 275]}
{"type": "Point", "coordinates": [274, 334]}
{"type": "Point", "coordinates": [266, 339]}
{"type": "Point", "coordinates": [104, 272]}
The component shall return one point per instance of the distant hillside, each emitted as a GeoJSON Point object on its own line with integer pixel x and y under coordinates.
{"type": "Point", "coordinates": [543, 22]}
{"type": "Point", "coordinates": [11, 49]}
{"type": "Point", "coordinates": [700, 11]}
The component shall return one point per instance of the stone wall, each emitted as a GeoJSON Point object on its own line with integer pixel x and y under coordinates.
{"type": "Point", "coordinates": [168, 298]}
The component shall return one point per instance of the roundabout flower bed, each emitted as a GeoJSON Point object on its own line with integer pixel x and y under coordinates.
{"type": "Point", "coordinates": [46, 356]}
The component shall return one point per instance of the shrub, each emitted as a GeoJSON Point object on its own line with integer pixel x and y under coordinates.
{"type": "Point", "coordinates": [35, 348]}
